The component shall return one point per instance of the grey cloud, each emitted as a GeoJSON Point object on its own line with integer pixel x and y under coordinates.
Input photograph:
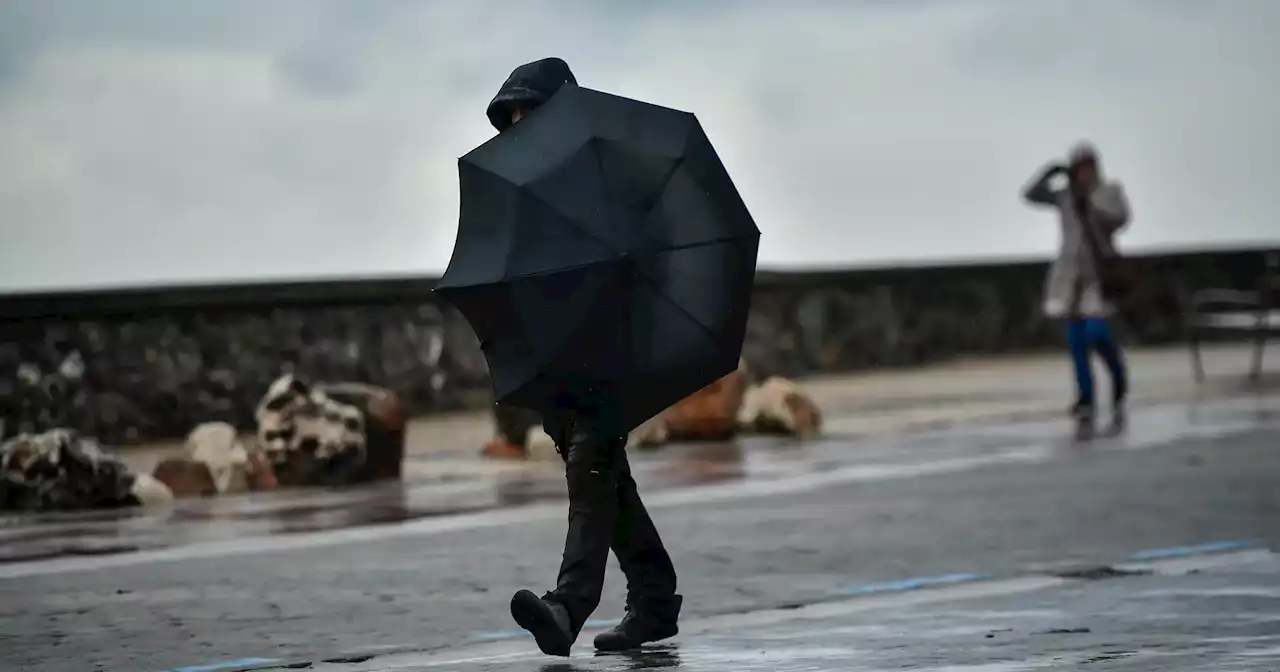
{"type": "Point", "coordinates": [151, 140]}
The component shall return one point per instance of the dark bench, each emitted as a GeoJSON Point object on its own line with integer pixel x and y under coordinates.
{"type": "Point", "coordinates": [1255, 313]}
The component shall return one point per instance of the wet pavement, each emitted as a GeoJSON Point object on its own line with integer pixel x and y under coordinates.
{"type": "Point", "coordinates": [436, 487]}
{"type": "Point", "coordinates": [1202, 612]}
{"type": "Point", "coordinates": [769, 537]}
{"type": "Point", "coordinates": [984, 410]}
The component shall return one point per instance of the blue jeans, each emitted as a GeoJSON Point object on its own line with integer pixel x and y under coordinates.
{"type": "Point", "coordinates": [1086, 335]}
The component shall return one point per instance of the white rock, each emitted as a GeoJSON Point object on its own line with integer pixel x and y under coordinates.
{"type": "Point", "coordinates": [151, 492]}
{"type": "Point", "coordinates": [218, 446]}
{"type": "Point", "coordinates": [540, 445]}
{"type": "Point", "coordinates": [651, 432]}
{"type": "Point", "coordinates": [778, 403]}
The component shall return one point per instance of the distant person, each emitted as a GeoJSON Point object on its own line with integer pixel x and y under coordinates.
{"type": "Point", "coordinates": [1073, 289]}
{"type": "Point", "coordinates": [605, 511]}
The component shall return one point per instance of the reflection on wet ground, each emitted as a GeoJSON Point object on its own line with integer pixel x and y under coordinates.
{"type": "Point", "coordinates": [439, 489]}
{"type": "Point", "coordinates": [658, 657]}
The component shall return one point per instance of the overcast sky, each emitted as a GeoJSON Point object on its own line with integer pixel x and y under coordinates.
{"type": "Point", "coordinates": [148, 141]}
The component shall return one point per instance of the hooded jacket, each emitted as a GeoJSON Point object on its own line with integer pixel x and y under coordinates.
{"type": "Point", "coordinates": [531, 85]}
{"type": "Point", "coordinates": [1073, 286]}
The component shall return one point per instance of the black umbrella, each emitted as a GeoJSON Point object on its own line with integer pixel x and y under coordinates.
{"type": "Point", "coordinates": [603, 256]}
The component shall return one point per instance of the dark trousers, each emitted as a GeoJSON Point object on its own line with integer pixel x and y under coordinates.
{"type": "Point", "coordinates": [605, 512]}
{"type": "Point", "coordinates": [513, 423]}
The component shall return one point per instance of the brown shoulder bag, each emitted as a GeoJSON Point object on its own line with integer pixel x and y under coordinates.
{"type": "Point", "coordinates": [1116, 274]}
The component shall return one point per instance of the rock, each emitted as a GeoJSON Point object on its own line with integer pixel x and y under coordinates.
{"type": "Point", "coordinates": [499, 449]}
{"type": "Point", "coordinates": [149, 491]}
{"type": "Point", "coordinates": [185, 478]}
{"type": "Point", "coordinates": [650, 434]}
{"type": "Point", "coordinates": [779, 406]}
{"type": "Point", "coordinates": [331, 434]}
{"type": "Point", "coordinates": [59, 470]}
{"type": "Point", "coordinates": [385, 421]}
{"type": "Point", "coordinates": [518, 435]}
{"type": "Point", "coordinates": [709, 414]}
{"type": "Point", "coordinates": [309, 438]}
{"type": "Point", "coordinates": [539, 445]}
{"type": "Point", "coordinates": [262, 476]}
{"type": "Point", "coordinates": [218, 446]}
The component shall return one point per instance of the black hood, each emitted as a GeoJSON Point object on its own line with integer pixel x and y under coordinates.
{"type": "Point", "coordinates": [531, 84]}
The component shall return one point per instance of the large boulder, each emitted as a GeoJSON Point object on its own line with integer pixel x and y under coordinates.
{"type": "Point", "coordinates": [385, 423]}
{"type": "Point", "coordinates": [185, 478]}
{"type": "Point", "coordinates": [516, 431]}
{"type": "Point", "coordinates": [498, 448]}
{"type": "Point", "coordinates": [539, 446]}
{"type": "Point", "coordinates": [150, 491]}
{"type": "Point", "coordinates": [331, 434]}
{"type": "Point", "coordinates": [217, 445]}
{"type": "Point", "coordinates": [262, 475]}
{"type": "Point", "coordinates": [780, 406]}
{"type": "Point", "coordinates": [650, 434]}
{"type": "Point", "coordinates": [710, 414]}
{"type": "Point", "coordinates": [59, 470]}
{"type": "Point", "coordinates": [216, 461]}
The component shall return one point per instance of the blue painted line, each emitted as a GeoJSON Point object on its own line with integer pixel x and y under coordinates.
{"type": "Point", "coordinates": [911, 584]}
{"type": "Point", "coordinates": [1182, 551]}
{"type": "Point", "coordinates": [515, 634]}
{"type": "Point", "coordinates": [227, 665]}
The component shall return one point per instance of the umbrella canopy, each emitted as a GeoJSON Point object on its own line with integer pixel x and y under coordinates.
{"type": "Point", "coordinates": [604, 257]}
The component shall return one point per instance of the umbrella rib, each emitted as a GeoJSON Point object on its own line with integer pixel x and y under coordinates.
{"type": "Point", "coordinates": [568, 220]}
{"type": "Point", "coordinates": [656, 290]}
{"type": "Point", "coordinates": [688, 141]}
{"type": "Point", "coordinates": [663, 295]}
{"type": "Point", "coordinates": [666, 180]}
{"type": "Point", "coordinates": [705, 243]}
{"type": "Point", "coordinates": [604, 182]}
{"type": "Point", "coordinates": [562, 269]}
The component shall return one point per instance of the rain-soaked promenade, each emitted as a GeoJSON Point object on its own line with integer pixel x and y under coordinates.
{"type": "Point", "coordinates": [947, 522]}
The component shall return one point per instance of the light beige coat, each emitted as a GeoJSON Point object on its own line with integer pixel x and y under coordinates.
{"type": "Point", "coordinates": [1072, 285]}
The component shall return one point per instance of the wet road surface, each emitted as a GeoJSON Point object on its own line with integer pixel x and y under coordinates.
{"type": "Point", "coordinates": [444, 487]}
{"type": "Point", "coordinates": [1217, 613]}
{"type": "Point", "coordinates": [752, 527]}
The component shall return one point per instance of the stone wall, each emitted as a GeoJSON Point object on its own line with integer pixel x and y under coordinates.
{"type": "Point", "coordinates": [146, 364]}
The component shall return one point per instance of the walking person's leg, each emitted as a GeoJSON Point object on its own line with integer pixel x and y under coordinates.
{"type": "Point", "coordinates": [1100, 339]}
{"type": "Point", "coordinates": [594, 457]}
{"type": "Point", "coordinates": [1078, 347]}
{"type": "Point", "coordinates": [653, 607]}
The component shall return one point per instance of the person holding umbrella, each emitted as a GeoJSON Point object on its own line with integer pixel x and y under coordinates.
{"type": "Point", "coordinates": [605, 510]}
{"type": "Point", "coordinates": [605, 261]}
{"type": "Point", "coordinates": [1091, 211]}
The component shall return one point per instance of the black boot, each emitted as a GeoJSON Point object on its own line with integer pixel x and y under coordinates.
{"type": "Point", "coordinates": [646, 621]}
{"type": "Point", "coordinates": [1083, 414]}
{"type": "Point", "coordinates": [546, 619]}
{"type": "Point", "coordinates": [1119, 420]}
